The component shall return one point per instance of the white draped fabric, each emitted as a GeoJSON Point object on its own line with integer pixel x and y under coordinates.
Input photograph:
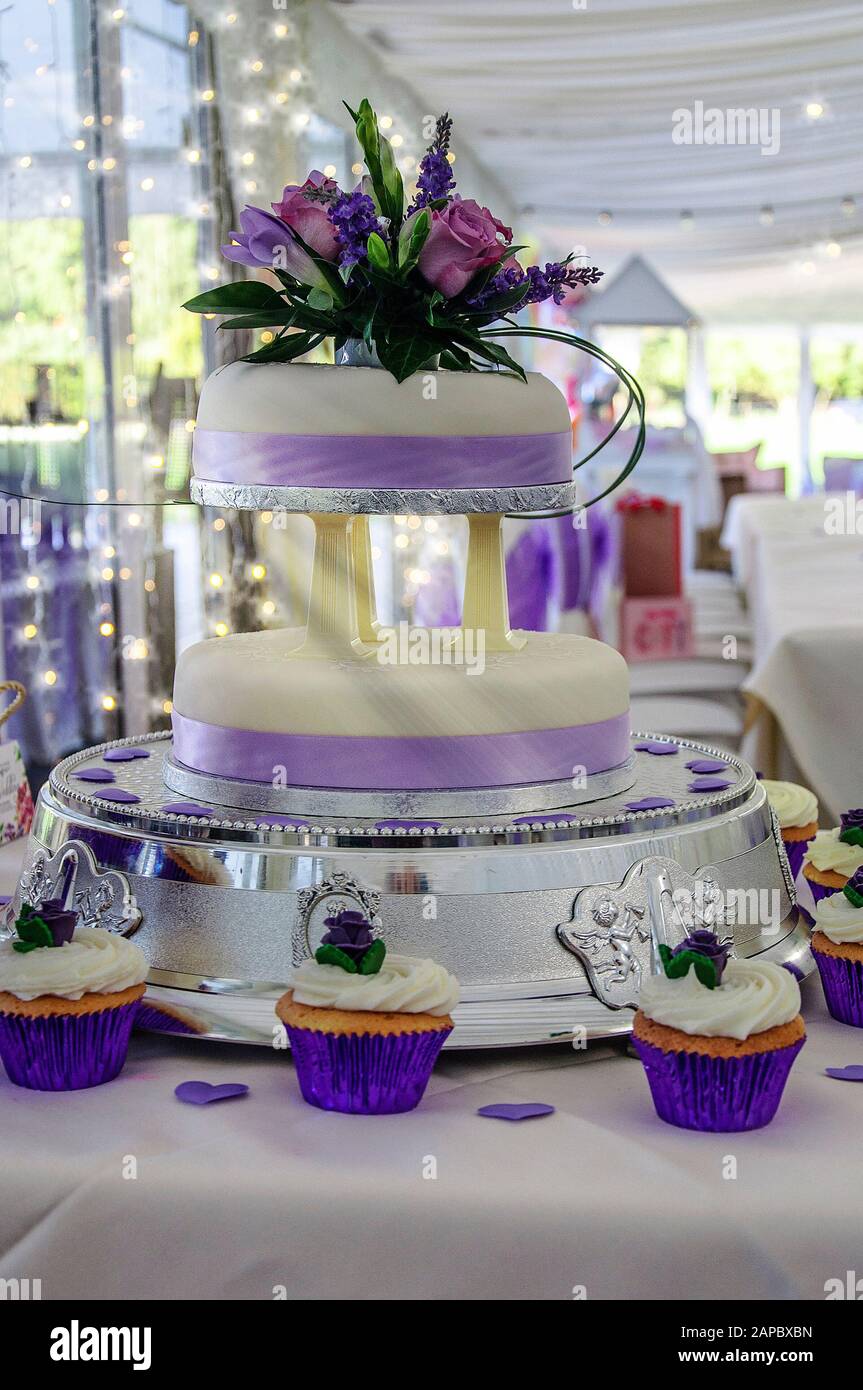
{"type": "Point", "coordinates": [572, 107]}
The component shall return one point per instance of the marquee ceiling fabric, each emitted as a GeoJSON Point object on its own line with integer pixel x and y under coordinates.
{"type": "Point", "coordinates": [575, 109]}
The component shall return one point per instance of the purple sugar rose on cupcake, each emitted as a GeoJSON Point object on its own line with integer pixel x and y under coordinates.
{"type": "Point", "coordinates": [851, 827]}
{"type": "Point", "coordinates": [69, 996]}
{"type": "Point", "coordinates": [837, 947]}
{"type": "Point", "coordinates": [717, 1037]}
{"type": "Point", "coordinates": [365, 1026]}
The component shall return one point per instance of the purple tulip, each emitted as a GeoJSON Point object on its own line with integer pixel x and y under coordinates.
{"type": "Point", "coordinates": [265, 240]}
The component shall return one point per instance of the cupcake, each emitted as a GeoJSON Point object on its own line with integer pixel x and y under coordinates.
{"type": "Point", "coordinates": [837, 945]}
{"type": "Point", "coordinates": [365, 1026]}
{"type": "Point", "coordinates": [834, 855]}
{"type": "Point", "coordinates": [717, 1037]}
{"type": "Point", "coordinates": [68, 1000]}
{"type": "Point", "coordinates": [797, 812]}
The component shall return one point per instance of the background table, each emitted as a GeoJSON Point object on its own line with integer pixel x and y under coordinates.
{"type": "Point", "coordinates": [803, 588]}
{"type": "Point", "coordinates": [236, 1199]}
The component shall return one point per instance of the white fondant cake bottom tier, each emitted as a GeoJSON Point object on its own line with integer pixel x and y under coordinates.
{"type": "Point", "coordinates": [253, 707]}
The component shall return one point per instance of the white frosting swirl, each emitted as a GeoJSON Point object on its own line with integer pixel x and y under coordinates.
{"type": "Point", "coordinates": [754, 995]}
{"type": "Point", "coordinates": [827, 852]}
{"type": "Point", "coordinates": [839, 919]}
{"type": "Point", "coordinates": [793, 804]}
{"type": "Point", "coordinates": [95, 961]}
{"type": "Point", "coordinates": [404, 985]}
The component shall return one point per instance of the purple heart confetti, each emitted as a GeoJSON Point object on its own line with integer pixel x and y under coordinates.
{"type": "Point", "coordinates": [95, 774]}
{"type": "Point", "coordinates": [203, 1093]}
{"type": "Point", "coordinates": [657, 749]}
{"type": "Point", "coordinates": [118, 794]}
{"type": "Point", "coordinates": [706, 765]}
{"type": "Point", "coordinates": [709, 784]}
{"type": "Point", "coordinates": [854, 1072]}
{"type": "Point", "coordinates": [525, 1110]}
{"type": "Point", "coordinates": [188, 808]}
{"type": "Point", "coordinates": [649, 803]}
{"type": "Point", "coordinates": [124, 755]}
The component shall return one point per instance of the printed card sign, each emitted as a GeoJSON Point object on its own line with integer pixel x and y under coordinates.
{"type": "Point", "coordinates": [16, 802]}
{"type": "Point", "coordinates": [656, 629]}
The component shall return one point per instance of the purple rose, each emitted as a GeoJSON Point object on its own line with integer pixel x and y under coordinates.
{"type": "Point", "coordinates": [267, 241]}
{"type": "Point", "coordinates": [308, 216]}
{"type": "Point", "coordinates": [851, 828]}
{"type": "Point", "coordinates": [706, 943]}
{"type": "Point", "coordinates": [59, 921]}
{"type": "Point", "coordinates": [350, 931]}
{"type": "Point", "coordinates": [463, 239]}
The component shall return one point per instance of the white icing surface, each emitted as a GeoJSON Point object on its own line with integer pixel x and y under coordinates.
{"type": "Point", "coordinates": [95, 961]}
{"type": "Point", "coordinates": [793, 804]}
{"type": "Point", "coordinates": [839, 919]}
{"type": "Point", "coordinates": [827, 852]}
{"type": "Point", "coordinates": [754, 995]}
{"type": "Point", "coordinates": [249, 681]}
{"type": "Point", "coordinates": [311, 398]}
{"type": "Point", "coordinates": [404, 984]}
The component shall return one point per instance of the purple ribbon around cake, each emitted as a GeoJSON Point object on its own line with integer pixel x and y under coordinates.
{"type": "Point", "coordinates": [382, 461]}
{"type": "Point", "coordinates": [389, 764]}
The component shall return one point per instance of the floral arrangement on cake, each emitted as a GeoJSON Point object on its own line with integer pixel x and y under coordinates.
{"type": "Point", "coordinates": [414, 285]}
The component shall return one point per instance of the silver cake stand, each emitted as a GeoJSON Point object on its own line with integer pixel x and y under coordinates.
{"type": "Point", "coordinates": [542, 909]}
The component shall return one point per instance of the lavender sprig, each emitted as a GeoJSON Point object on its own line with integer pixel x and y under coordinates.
{"type": "Point", "coordinates": [435, 181]}
{"type": "Point", "coordinates": [354, 217]}
{"type": "Point", "coordinates": [550, 282]}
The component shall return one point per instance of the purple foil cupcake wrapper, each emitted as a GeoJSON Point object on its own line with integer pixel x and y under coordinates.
{"type": "Point", "coordinates": [796, 849]}
{"type": "Point", "coordinates": [365, 1073]}
{"type": "Point", "coordinates": [717, 1094]}
{"type": "Point", "coordinates": [842, 982]}
{"type": "Point", "coordinates": [66, 1052]}
{"type": "Point", "coordinates": [820, 890]}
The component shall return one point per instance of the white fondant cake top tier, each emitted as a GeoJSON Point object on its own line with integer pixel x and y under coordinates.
{"type": "Point", "coordinates": [306, 424]}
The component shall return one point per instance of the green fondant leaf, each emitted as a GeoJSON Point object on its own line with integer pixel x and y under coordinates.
{"type": "Point", "coordinates": [704, 969]}
{"type": "Point", "coordinates": [665, 955]}
{"type": "Point", "coordinates": [852, 836]}
{"type": "Point", "coordinates": [32, 928]}
{"type": "Point", "coordinates": [678, 966]}
{"type": "Point", "coordinates": [24, 946]}
{"type": "Point", "coordinates": [855, 898]}
{"type": "Point", "coordinates": [373, 958]}
{"type": "Point", "coordinates": [332, 955]}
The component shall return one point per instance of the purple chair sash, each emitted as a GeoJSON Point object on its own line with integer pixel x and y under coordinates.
{"type": "Point", "coordinates": [383, 764]}
{"type": "Point", "coordinates": [387, 461]}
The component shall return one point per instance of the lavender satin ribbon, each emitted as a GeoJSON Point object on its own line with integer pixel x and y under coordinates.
{"type": "Point", "coordinates": [391, 764]}
{"type": "Point", "coordinates": [382, 461]}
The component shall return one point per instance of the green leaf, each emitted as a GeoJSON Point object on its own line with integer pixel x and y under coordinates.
{"type": "Point", "coordinates": [31, 928]}
{"type": "Point", "coordinates": [412, 238]}
{"type": "Point", "coordinates": [24, 946]}
{"type": "Point", "coordinates": [332, 955]}
{"type": "Point", "coordinates": [705, 970]}
{"type": "Point", "coordinates": [265, 318]}
{"type": "Point", "coordinates": [321, 299]}
{"type": "Point", "coordinates": [373, 959]}
{"type": "Point", "coordinates": [239, 294]}
{"type": "Point", "coordinates": [455, 359]}
{"type": "Point", "coordinates": [665, 955]}
{"type": "Point", "coordinates": [392, 182]}
{"type": "Point", "coordinates": [286, 348]}
{"type": "Point", "coordinates": [377, 252]}
{"type": "Point", "coordinates": [404, 351]}
{"type": "Point", "coordinates": [486, 349]}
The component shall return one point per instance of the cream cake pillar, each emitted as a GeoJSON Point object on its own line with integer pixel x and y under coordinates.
{"type": "Point", "coordinates": [367, 612]}
{"type": "Point", "coordinates": [486, 604]}
{"type": "Point", "coordinates": [331, 628]}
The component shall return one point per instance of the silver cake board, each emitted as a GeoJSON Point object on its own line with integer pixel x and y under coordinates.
{"type": "Point", "coordinates": [542, 910]}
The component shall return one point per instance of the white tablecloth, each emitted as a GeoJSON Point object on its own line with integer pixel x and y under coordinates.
{"type": "Point", "coordinates": [804, 592]}
{"type": "Point", "coordinates": [238, 1199]}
